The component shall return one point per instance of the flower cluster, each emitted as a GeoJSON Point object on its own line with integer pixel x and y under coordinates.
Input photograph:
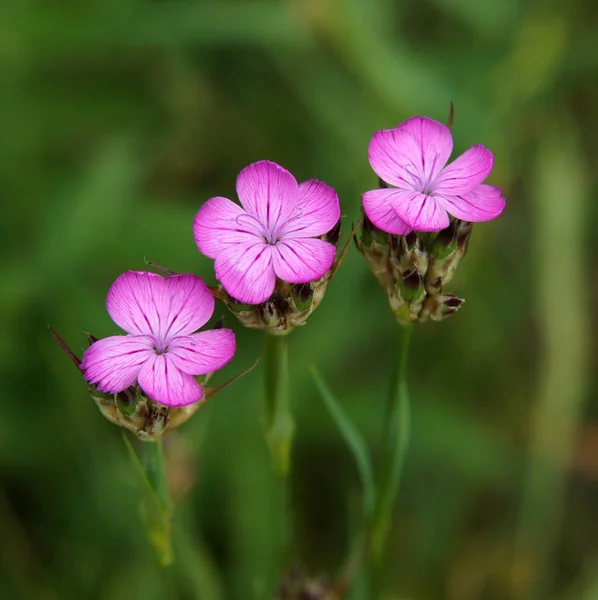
{"type": "Point", "coordinates": [274, 256]}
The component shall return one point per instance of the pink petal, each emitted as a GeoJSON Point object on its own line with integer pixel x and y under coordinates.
{"type": "Point", "coordinates": [302, 260]}
{"type": "Point", "coordinates": [377, 205]}
{"type": "Point", "coordinates": [246, 272]}
{"type": "Point", "coordinates": [220, 223]}
{"type": "Point", "coordinates": [190, 306]}
{"type": "Point", "coordinates": [146, 303]}
{"type": "Point", "coordinates": [131, 302]}
{"type": "Point", "coordinates": [113, 363]}
{"type": "Point", "coordinates": [267, 191]}
{"type": "Point", "coordinates": [484, 203]}
{"type": "Point", "coordinates": [203, 352]}
{"type": "Point", "coordinates": [411, 155]}
{"type": "Point", "coordinates": [421, 212]}
{"type": "Point", "coordinates": [318, 211]}
{"type": "Point", "coordinates": [465, 172]}
{"type": "Point", "coordinates": [165, 383]}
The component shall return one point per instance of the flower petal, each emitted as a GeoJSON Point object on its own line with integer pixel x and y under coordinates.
{"type": "Point", "coordinates": [302, 260]}
{"type": "Point", "coordinates": [267, 191]}
{"type": "Point", "coordinates": [190, 305]}
{"type": "Point", "coordinates": [113, 363]}
{"type": "Point", "coordinates": [465, 172]}
{"type": "Point", "coordinates": [131, 302]}
{"type": "Point", "coordinates": [203, 352]}
{"type": "Point", "coordinates": [484, 203]}
{"type": "Point", "coordinates": [421, 212]}
{"type": "Point", "coordinates": [220, 223]}
{"type": "Point", "coordinates": [377, 205]}
{"type": "Point", "coordinates": [318, 211]}
{"type": "Point", "coordinates": [165, 383]}
{"type": "Point", "coordinates": [147, 303]}
{"type": "Point", "coordinates": [245, 271]}
{"type": "Point", "coordinates": [411, 155]}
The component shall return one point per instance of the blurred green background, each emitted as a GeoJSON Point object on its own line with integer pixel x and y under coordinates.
{"type": "Point", "coordinates": [119, 118]}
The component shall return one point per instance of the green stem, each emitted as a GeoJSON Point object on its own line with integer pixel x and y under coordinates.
{"type": "Point", "coordinates": [279, 420]}
{"type": "Point", "coordinates": [394, 448]}
{"type": "Point", "coordinates": [152, 459]}
{"type": "Point", "coordinates": [279, 433]}
{"type": "Point", "coordinates": [156, 506]}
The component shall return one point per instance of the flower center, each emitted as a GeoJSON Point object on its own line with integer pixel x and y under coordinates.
{"type": "Point", "coordinates": [160, 347]}
{"type": "Point", "coordinates": [421, 176]}
{"type": "Point", "coordinates": [271, 235]}
{"type": "Point", "coordinates": [279, 231]}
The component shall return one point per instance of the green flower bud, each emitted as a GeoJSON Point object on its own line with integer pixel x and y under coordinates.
{"type": "Point", "coordinates": [446, 249]}
{"type": "Point", "coordinates": [413, 269]}
{"type": "Point", "coordinates": [399, 264]}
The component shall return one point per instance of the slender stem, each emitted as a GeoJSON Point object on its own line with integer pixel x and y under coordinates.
{"type": "Point", "coordinates": [156, 506]}
{"type": "Point", "coordinates": [394, 448]}
{"type": "Point", "coordinates": [279, 432]}
{"type": "Point", "coordinates": [279, 420]}
{"type": "Point", "coordinates": [152, 459]}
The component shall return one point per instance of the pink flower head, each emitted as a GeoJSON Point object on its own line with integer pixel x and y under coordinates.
{"type": "Point", "coordinates": [273, 234]}
{"type": "Point", "coordinates": [160, 351]}
{"type": "Point", "coordinates": [412, 157]}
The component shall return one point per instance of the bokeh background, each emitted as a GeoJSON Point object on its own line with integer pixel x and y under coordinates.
{"type": "Point", "coordinates": [120, 118]}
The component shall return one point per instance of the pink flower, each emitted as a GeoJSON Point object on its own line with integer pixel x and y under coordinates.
{"type": "Point", "coordinates": [274, 233]}
{"type": "Point", "coordinates": [413, 158]}
{"type": "Point", "coordinates": [160, 351]}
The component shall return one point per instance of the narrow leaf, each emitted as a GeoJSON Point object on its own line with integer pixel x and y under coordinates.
{"type": "Point", "coordinates": [155, 507]}
{"type": "Point", "coordinates": [353, 439]}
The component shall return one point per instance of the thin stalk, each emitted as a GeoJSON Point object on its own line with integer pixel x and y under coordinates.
{"type": "Point", "coordinates": [395, 441]}
{"type": "Point", "coordinates": [279, 433]}
{"type": "Point", "coordinates": [279, 419]}
{"type": "Point", "coordinates": [152, 459]}
{"type": "Point", "coordinates": [155, 505]}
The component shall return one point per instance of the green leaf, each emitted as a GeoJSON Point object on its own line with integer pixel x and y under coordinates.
{"type": "Point", "coordinates": [353, 438]}
{"type": "Point", "coordinates": [155, 506]}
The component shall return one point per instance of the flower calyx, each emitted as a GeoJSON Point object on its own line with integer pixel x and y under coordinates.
{"type": "Point", "coordinates": [414, 268]}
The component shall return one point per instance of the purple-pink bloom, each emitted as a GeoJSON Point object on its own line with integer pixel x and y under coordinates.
{"type": "Point", "coordinates": [161, 350]}
{"type": "Point", "coordinates": [412, 157]}
{"type": "Point", "coordinates": [273, 234]}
